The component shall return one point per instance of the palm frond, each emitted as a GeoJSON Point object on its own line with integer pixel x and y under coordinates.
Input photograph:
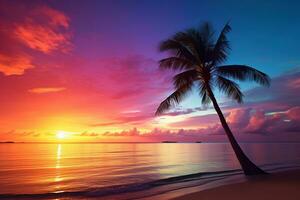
{"type": "Point", "coordinates": [243, 72]}
{"type": "Point", "coordinates": [222, 46]}
{"type": "Point", "coordinates": [201, 41]}
{"type": "Point", "coordinates": [191, 38]}
{"type": "Point", "coordinates": [207, 33]}
{"type": "Point", "coordinates": [175, 63]}
{"type": "Point", "coordinates": [173, 99]}
{"type": "Point", "coordinates": [185, 78]}
{"type": "Point", "coordinates": [205, 99]}
{"type": "Point", "coordinates": [230, 88]}
{"type": "Point", "coordinates": [177, 48]}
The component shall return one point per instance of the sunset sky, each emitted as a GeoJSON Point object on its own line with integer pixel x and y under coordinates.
{"type": "Point", "coordinates": [88, 70]}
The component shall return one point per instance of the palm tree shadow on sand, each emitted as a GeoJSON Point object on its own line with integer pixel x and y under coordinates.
{"type": "Point", "coordinates": [198, 56]}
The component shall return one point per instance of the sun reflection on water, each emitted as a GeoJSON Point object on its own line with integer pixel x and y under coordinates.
{"type": "Point", "coordinates": [58, 177]}
{"type": "Point", "coordinates": [58, 156]}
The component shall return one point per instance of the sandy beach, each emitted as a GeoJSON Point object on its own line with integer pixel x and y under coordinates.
{"type": "Point", "coordinates": [277, 186]}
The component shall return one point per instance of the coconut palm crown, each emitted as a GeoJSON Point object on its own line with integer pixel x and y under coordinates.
{"type": "Point", "coordinates": [197, 55]}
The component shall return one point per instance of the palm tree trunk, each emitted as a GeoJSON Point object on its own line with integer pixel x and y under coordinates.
{"type": "Point", "coordinates": [248, 167]}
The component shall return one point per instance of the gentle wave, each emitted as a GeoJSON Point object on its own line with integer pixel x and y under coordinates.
{"type": "Point", "coordinates": [117, 189]}
{"type": "Point", "coordinates": [203, 177]}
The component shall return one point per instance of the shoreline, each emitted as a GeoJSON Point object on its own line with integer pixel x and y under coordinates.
{"type": "Point", "coordinates": [276, 186]}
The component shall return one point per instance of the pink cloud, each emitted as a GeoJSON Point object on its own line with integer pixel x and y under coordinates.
{"type": "Point", "coordinates": [238, 116]}
{"type": "Point", "coordinates": [159, 135]}
{"type": "Point", "coordinates": [257, 122]}
{"type": "Point", "coordinates": [294, 113]}
{"type": "Point", "coordinates": [41, 38]}
{"type": "Point", "coordinates": [15, 65]}
{"type": "Point", "coordinates": [56, 17]}
{"type": "Point", "coordinates": [131, 132]}
{"type": "Point", "coordinates": [295, 83]}
{"type": "Point", "coordinates": [45, 30]}
{"type": "Point", "coordinates": [262, 122]}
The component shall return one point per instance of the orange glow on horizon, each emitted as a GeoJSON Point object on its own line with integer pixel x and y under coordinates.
{"type": "Point", "coordinates": [61, 134]}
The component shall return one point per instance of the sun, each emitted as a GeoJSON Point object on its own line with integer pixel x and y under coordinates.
{"type": "Point", "coordinates": [61, 134]}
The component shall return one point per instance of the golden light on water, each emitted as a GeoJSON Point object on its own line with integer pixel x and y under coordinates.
{"type": "Point", "coordinates": [58, 177]}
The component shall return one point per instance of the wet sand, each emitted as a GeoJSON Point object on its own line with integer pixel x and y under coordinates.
{"type": "Point", "coordinates": [277, 186]}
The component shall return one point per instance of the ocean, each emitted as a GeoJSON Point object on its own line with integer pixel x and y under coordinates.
{"type": "Point", "coordinates": [129, 170]}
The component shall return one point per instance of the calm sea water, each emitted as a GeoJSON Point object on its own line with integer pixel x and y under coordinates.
{"type": "Point", "coordinates": [139, 170]}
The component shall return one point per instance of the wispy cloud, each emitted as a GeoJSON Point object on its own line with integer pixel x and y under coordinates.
{"type": "Point", "coordinates": [187, 111]}
{"type": "Point", "coordinates": [126, 119]}
{"type": "Point", "coordinates": [43, 90]}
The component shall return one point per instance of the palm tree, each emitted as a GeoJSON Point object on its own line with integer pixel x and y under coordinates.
{"type": "Point", "coordinates": [197, 57]}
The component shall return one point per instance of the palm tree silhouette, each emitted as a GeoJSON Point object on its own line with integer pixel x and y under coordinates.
{"type": "Point", "coordinates": [197, 57]}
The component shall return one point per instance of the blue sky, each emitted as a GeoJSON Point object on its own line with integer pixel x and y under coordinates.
{"type": "Point", "coordinates": [265, 33]}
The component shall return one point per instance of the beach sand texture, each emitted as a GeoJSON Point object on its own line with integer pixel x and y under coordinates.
{"type": "Point", "coordinates": [277, 186]}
